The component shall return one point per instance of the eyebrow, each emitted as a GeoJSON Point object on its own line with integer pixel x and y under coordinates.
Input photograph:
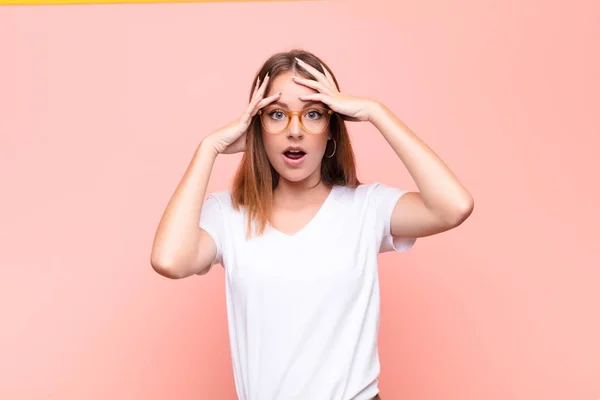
{"type": "Point", "coordinates": [307, 104]}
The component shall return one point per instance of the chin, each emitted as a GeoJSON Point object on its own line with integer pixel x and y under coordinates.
{"type": "Point", "coordinates": [294, 177]}
{"type": "Point", "coordinates": [297, 174]}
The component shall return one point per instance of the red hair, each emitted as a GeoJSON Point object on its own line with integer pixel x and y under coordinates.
{"type": "Point", "coordinates": [256, 178]}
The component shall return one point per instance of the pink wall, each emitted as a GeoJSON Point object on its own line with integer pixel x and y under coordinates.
{"type": "Point", "coordinates": [102, 106]}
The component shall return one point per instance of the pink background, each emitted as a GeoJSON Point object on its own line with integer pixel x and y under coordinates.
{"type": "Point", "coordinates": [102, 106]}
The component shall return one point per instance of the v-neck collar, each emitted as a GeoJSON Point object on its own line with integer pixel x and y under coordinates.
{"type": "Point", "coordinates": [322, 209]}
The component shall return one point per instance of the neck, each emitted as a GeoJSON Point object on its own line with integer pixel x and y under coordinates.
{"type": "Point", "coordinates": [298, 192]}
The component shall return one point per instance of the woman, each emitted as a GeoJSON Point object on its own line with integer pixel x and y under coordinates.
{"type": "Point", "coordinates": [299, 235]}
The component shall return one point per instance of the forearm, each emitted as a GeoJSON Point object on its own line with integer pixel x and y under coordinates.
{"type": "Point", "coordinates": [440, 189]}
{"type": "Point", "coordinates": [177, 237]}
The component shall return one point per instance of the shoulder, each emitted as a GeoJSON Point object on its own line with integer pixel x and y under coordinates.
{"type": "Point", "coordinates": [374, 199]}
{"type": "Point", "coordinates": [223, 198]}
{"type": "Point", "coordinates": [219, 202]}
{"type": "Point", "coordinates": [368, 192]}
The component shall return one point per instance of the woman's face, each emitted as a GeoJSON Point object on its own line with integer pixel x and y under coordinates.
{"type": "Point", "coordinates": [295, 151]}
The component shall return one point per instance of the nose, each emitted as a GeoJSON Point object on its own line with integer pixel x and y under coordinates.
{"type": "Point", "coordinates": [295, 129]}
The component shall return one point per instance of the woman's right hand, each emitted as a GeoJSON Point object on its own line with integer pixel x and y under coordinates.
{"type": "Point", "coordinates": [232, 138]}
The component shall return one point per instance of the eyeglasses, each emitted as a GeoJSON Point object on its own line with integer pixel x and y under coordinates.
{"type": "Point", "coordinates": [313, 120]}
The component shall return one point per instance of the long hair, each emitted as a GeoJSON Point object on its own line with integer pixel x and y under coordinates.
{"type": "Point", "coordinates": [256, 178]}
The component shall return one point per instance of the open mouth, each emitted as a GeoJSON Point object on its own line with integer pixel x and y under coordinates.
{"type": "Point", "coordinates": [294, 154]}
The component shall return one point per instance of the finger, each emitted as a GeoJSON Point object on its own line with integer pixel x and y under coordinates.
{"type": "Point", "coordinates": [263, 86]}
{"type": "Point", "coordinates": [329, 77]}
{"type": "Point", "coordinates": [256, 105]}
{"type": "Point", "coordinates": [312, 84]}
{"type": "Point", "coordinates": [313, 71]}
{"type": "Point", "coordinates": [250, 110]}
{"type": "Point", "coordinates": [323, 98]}
{"type": "Point", "coordinates": [252, 105]}
{"type": "Point", "coordinates": [258, 96]}
{"type": "Point", "coordinates": [256, 86]}
{"type": "Point", "coordinates": [266, 101]}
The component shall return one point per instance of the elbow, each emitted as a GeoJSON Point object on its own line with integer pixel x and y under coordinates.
{"type": "Point", "coordinates": [168, 270]}
{"type": "Point", "coordinates": [459, 213]}
{"type": "Point", "coordinates": [462, 211]}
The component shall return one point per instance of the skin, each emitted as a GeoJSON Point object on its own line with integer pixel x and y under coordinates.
{"type": "Point", "coordinates": [181, 248]}
{"type": "Point", "coordinates": [300, 190]}
{"type": "Point", "coordinates": [442, 202]}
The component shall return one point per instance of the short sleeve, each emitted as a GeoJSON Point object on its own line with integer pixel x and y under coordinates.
{"type": "Point", "coordinates": [382, 200]}
{"type": "Point", "coordinates": [211, 220]}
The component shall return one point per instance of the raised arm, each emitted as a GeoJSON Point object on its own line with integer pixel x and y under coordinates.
{"type": "Point", "coordinates": [181, 247]}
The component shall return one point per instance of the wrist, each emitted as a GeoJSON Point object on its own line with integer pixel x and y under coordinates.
{"type": "Point", "coordinates": [207, 148]}
{"type": "Point", "coordinates": [377, 112]}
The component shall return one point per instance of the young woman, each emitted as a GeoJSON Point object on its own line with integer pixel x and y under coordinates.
{"type": "Point", "coordinates": [299, 235]}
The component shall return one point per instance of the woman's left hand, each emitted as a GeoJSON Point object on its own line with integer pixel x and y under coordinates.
{"type": "Point", "coordinates": [351, 108]}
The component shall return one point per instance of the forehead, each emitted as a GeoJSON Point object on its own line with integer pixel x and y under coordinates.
{"type": "Point", "coordinates": [289, 89]}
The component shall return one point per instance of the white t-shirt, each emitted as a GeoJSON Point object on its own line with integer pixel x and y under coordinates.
{"type": "Point", "coordinates": [303, 309]}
